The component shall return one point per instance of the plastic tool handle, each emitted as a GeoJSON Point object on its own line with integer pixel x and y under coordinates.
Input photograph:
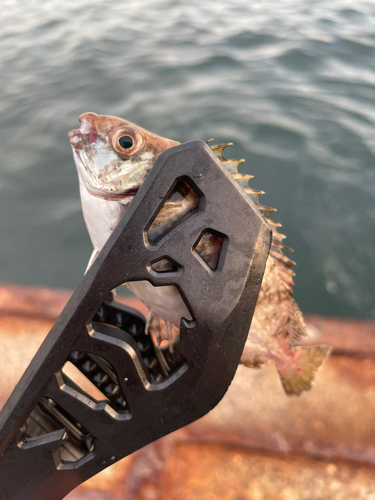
{"type": "Point", "coordinates": [53, 436]}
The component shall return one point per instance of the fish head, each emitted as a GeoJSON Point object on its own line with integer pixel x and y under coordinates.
{"type": "Point", "coordinates": [113, 156]}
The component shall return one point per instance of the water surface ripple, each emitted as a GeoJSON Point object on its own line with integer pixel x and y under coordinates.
{"type": "Point", "coordinates": [291, 83]}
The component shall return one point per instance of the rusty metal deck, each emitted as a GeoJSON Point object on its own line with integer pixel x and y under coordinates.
{"type": "Point", "coordinates": [320, 446]}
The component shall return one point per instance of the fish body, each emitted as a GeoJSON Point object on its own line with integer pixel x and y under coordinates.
{"type": "Point", "coordinates": [113, 158]}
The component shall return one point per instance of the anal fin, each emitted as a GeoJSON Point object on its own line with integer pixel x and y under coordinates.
{"type": "Point", "coordinates": [298, 375]}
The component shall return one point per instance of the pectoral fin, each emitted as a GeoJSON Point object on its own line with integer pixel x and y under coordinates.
{"type": "Point", "coordinates": [299, 375]}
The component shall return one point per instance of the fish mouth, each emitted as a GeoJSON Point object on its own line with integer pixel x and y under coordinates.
{"type": "Point", "coordinates": [87, 129]}
{"type": "Point", "coordinates": [99, 191]}
{"type": "Point", "coordinates": [75, 138]}
{"type": "Point", "coordinates": [73, 134]}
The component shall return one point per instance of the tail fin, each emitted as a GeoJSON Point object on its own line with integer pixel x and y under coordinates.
{"type": "Point", "coordinates": [299, 375]}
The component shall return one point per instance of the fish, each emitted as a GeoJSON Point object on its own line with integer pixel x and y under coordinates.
{"type": "Point", "coordinates": [113, 157]}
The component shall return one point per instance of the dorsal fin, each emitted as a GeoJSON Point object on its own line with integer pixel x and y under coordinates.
{"type": "Point", "coordinates": [219, 150]}
{"type": "Point", "coordinates": [232, 166]}
{"type": "Point", "coordinates": [283, 264]}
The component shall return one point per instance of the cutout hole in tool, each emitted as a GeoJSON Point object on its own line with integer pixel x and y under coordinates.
{"type": "Point", "coordinates": [48, 417]}
{"type": "Point", "coordinates": [164, 265]}
{"type": "Point", "coordinates": [181, 203]}
{"type": "Point", "coordinates": [96, 377]}
{"type": "Point", "coordinates": [170, 300]}
{"type": "Point", "coordinates": [158, 361]}
{"type": "Point", "coordinates": [209, 247]}
{"type": "Point", "coordinates": [79, 379]}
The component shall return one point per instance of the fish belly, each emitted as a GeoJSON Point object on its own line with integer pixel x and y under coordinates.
{"type": "Point", "coordinates": [166, 301]}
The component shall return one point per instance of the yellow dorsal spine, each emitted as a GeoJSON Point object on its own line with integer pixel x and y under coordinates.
{"type": "Point", "coordinates": [283, 263]}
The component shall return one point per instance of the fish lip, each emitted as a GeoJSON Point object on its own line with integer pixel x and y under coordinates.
{"type": "Point", "coordinates": [76, 139]}
{"type": "Point", "coordinates": [73, 134]}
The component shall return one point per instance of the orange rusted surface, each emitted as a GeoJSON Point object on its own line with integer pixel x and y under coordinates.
{"type": "Point", "coordinates": [257, 443]}
{"type": "Point", "coordinates": [216, 471]}
{"type": "Point", "coordinates": [43, 302]}
{"type": "Point", "coordinates": [345, 335]}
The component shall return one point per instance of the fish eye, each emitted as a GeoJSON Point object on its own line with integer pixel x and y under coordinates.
{"type": "Point", "coordinates": [125, 142]}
